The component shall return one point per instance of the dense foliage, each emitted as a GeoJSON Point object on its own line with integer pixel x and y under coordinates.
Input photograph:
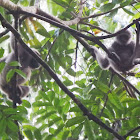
{"type": "Point", "coordinates": [48, 112]}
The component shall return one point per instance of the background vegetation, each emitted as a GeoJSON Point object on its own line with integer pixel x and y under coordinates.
{"type": "Point", "coordinates": [48, 113]}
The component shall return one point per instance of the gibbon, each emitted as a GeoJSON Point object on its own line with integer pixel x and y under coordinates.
{"type": "Point", "coordinates": [27, 63]}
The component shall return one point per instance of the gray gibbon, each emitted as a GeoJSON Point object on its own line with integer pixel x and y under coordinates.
{"type": "Point", "coordinates": [27, 63]}
{"type": "Point", "coordinates": [124, 48]}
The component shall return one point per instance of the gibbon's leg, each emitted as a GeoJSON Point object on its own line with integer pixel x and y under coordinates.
{"type": "Point", "coordinates": [8, 90]}
{"type": "Point", "coordinates": [22, 91]}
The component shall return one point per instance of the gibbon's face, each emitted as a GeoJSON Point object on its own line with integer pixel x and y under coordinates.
{"type": "Point", "coordinates": [124, 38]}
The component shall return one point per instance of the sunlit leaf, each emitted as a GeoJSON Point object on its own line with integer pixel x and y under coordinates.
{"type": "Point", "coordinates": [28, 134]}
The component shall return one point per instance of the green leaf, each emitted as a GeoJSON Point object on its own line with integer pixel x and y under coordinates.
{"type": "Point", "coordinates": [26, 103]}
{"type": "Point", "coordinates": [55, 120]}
{"type": "Point", "coordinates": [2, 65]}
{"type": "Point", "coordinates": [37, 134]}
{"type": "Point", "coordinates": [113, 13]}
{"type": "Point", "coordinates": [127, 2]}
{"type": "Point", "coordinates": [76, 132]}
{"type": "Point", "coordinates": [16, 117]}
{"type": "Point", "coordinates": [59, 129]}
{"type": "Point", "coordinates": [67, 82]}
{"type": "Point", "coordinates": [115, 100]}
{"type": "Point", "coordinates": [61, 3]}
{"type": "Point", "coordinates": [102, 86]}
{"type": "Point", "coordinates": [75, 120]}
{"type": "Point", "coordinates": [75, 109]}
{"type": "Point", "coordinates": [11, 125]}
{"type": "Point", "coordinates": [28, 134]}
{"type": "Point", "coordinates": [24, 33]}
{"type": "Point", "coordinates": [30, 127]}
{"type": "Point", "coordinates": [128, 12]}
{"type": "Point", "coordinates": [22, 110]}
{"type": "Point", "coordinates": [10, 74]}
{"type": "Point", "coordinates": [66, 107]}
{"type": "Point", "coordinates": [40, 29]}
{"type": "Point", "coordinates": [1, 52]}
{"type": "Point", "coordinates": [81, 83]}
{"type": "Point", "coordinates": [89, 130]}
{"type": "Point", "coordinates": [116, 1]}
{"type": "Point", "coordinates": [43, 32]}
{"type": "Point", "coordinates": [87, 89]}
{"type": "Point", "coordinates": [14, 63]}
{"type": "Point", "coordinates": [56, 102]}
{"type": "Point", "coordinates": [56, 87]}
{"type": "Point", "coordinates": [2, 39]}
{"type": "Point", "coordinates": [10, 111]}
{"type": "Point", "coordinates": [21, 73]}
{"type": "Point", "coordinates": [51, 95]}
{"type": "Point", "coordinates": [24, 3]}
{"type": "Point", "coordinates": [39, 104]}
{"type": "Point", "coordinates": [137, 75]}
{"type": "Point", "coordinates": [3, 124]}
{"type": "Point", "coordinates": [65, 135]}
{"type": "Point", "coordinates": [107, 7]}
{"type": "Point", "coordinates": [71, 72]}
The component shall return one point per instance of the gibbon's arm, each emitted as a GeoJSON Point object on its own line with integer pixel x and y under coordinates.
{"type": "Point", "coordinates": [101, 58]}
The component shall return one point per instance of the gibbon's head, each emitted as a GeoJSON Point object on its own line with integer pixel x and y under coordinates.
{"type": "Point", "coordinates": [27, 60]}
{"type": "Point", "coordinates": [124, 38]}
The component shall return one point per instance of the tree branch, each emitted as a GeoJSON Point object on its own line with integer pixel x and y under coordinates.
{"type": "Point", "coordinates": [130, 132]}
{"type": "Point", "coordinates": [3, 33]}
{"type": "Point", "coordinates": [94, 27]}
{"type": "Point", "coordinates": [120, 31]}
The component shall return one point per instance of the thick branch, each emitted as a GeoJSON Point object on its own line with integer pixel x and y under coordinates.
{"type": "Point", "coordinates": [13, 7]}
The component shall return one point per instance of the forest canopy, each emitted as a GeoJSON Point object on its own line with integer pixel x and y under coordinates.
{"type": "Point", "coordinates": [71, 97]}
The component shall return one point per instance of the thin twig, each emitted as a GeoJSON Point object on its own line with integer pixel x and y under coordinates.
{"type": "Point", "coordinates": [130, 132]}
{"type": "Point", "coordinates": [3, 33]}
{"type": "Point", "coordinates": [127, 82]}
{"type": "Point", "coordinates": [95, 27]}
